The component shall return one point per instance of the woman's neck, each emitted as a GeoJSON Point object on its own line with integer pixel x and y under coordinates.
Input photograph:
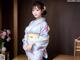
{"type": "Point", "coordinates": [38, 18]}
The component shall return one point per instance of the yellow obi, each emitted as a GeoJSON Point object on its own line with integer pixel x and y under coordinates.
{"type": "Point", "coordinates": [32, 36]}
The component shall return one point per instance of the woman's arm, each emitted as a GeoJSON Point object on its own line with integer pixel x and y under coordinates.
{"type": "Point", "coordinates": [43, 39]}
{"type": "Point", "coordinates": [24, 40]}
{"type": "Point", "coordinates": [44, 36]}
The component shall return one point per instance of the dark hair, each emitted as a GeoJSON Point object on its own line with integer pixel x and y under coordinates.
{"type": "Point", "coordinates": [41, 6]}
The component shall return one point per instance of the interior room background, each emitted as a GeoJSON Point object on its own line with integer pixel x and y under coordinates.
{"type": "Point", "coordinates": [63, 18]}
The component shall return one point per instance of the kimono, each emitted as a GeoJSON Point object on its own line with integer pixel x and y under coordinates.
{"type": "Point", "coordinates": [36, 33]}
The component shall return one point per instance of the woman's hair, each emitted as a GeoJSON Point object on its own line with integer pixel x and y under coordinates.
{"type": "Point", "coordinates": [41, 6]}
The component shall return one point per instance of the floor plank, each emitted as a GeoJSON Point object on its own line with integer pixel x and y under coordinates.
{"type": "Point", "coordinates": [20, 57]}
{"type": "Point", "coordinates": [66, 57]}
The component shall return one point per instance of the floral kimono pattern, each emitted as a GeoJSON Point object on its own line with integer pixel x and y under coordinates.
{"type": "Point", "coordinates": [37, 32]}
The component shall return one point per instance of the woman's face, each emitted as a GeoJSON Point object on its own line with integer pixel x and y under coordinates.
{"type": "Point", "coordinates": [37, 13]}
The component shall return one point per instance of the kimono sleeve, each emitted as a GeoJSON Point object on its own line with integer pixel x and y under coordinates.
{"type": "Point", "coordinates": [44, 32]}
{"type": "Point", "coordinates": [43, 39]}
{"type": "Point", "coordinates": [24, 40]}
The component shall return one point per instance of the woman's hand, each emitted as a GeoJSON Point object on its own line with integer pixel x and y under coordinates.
{"type": "Point", "coordinates": [27, 47]}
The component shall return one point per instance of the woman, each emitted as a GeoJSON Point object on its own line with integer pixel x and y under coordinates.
{"type": "Point", "coordinates": [36, 36]}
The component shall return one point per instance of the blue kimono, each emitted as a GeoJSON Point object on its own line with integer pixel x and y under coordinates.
{"type": "Point", "coordinates": [36, 33]}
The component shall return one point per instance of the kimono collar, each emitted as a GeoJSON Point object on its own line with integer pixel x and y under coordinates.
{"type": "Point", "coordinates": [40, 19]}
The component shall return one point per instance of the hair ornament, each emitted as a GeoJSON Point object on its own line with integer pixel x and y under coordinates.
{"type": "Point", "coordinates": [44, 8]}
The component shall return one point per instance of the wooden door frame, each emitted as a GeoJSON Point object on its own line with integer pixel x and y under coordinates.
{"type": "Point", "coordinates": [15, 26]}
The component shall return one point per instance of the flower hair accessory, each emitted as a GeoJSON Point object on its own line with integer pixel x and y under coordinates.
{"type": "Point", "coordinates": [44, 8]}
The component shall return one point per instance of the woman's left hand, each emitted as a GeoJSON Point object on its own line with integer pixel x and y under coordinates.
{"type": "Point", "coordinates": [29, 47]}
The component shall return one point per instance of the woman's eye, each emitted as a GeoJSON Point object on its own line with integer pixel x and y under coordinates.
{"type": "Point", "coordinates": [37, 10]}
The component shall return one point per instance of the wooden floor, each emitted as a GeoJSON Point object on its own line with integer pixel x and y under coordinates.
{"type": "Point", "coordinates": [59, 57]}
{"type": "Point", "coordinates": [20, 57]}
{"type": "Point", "coordinates": [66, 57]}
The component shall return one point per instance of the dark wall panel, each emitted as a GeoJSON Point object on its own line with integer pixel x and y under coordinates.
{"type": "Point", "coordinates": [7, 13]}
{"type": "Point", "coordinates": [69, 22]}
